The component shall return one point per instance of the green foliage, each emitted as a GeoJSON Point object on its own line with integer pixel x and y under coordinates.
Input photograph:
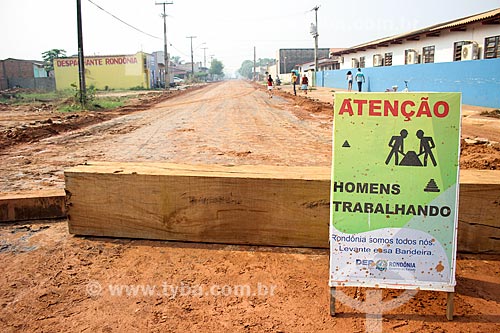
{"type": "Point", "coordinates": [175, 59]}
{"type": "Point", "coordinates": [265, 61]}
{"type": "Point", "coordinates": [246, 69]}
{"type": "Point", "coordinates": [92, 101]}
{"type": "Point", "coordinates": [49, 56]}
{"type": "Point", "coordinates": [34, 97]}
{"type": "Point", "coordinates": [216, 67]}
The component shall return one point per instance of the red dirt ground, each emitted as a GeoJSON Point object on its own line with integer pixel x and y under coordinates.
{"type": "Point", "coordinates": [52, 281]}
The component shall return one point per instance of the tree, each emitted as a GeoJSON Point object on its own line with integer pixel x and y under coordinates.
{"type": "Point", "coordinates": [216, 67]}
{"type": "Point", "coordinates": [265, 61]}
{"type": "Point", "coordinates": [49, 56]}
{"type": "Point", "coordinates": [175, 59]}
{"type": "Point", "coordinates": [246, 69]}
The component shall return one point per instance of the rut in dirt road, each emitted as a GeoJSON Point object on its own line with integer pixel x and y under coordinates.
{"type": "Point", "coordinates": [232, 122]}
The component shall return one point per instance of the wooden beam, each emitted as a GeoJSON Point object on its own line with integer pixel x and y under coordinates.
{"type": "Point", "coordinates": [479, 211]}
{"type": "Point", "coordinates": [259, 205]}
{"type": "Point", "coordinates": [283, 206]}
{"type": "Point", "coordinates": [36, 205]}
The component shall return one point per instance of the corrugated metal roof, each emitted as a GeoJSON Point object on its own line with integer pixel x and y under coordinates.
{"type": "Point", "coordinates": [469, 19]}
{"type": "Point", "coordinates": [495, 14]}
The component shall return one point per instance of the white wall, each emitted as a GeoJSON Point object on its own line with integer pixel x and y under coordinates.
{"type": "Point", "coordinates": [443, 45]}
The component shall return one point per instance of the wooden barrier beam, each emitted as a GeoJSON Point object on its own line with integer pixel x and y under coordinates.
{"type": "Point", "coordinates": [259, 205]}
{"type": "Point", "coordinates": [479, 211]}
{"type": "Point", "coordinates": [47, 204]}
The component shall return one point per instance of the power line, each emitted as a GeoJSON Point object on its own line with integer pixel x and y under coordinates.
{"type": "Point", "coordinates": [119, 19]}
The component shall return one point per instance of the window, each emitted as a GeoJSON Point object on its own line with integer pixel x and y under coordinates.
{"type": "Point", "coordinates": [361, 62]}
{"type": "Point", "coordinates": [378, 60]}
{"type": "Point", "coordinates": [428, 54]}
{"type": "Point", "coordinates": [492, 47]}
{"type": "Point", "coordinates": [388, 59]}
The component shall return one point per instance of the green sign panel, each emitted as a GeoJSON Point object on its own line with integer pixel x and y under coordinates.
{"type": "Point", "coordinates": [394, 190]}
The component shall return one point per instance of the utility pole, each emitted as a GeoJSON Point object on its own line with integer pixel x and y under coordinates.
{"type": "Point", "coordinates": [205, 56]}
{"type": "Point", "coordinates": [192, 58]}
{"type": "Point", "coordinates": [81, 62]}
{"type": "Point", "coordinates": [165, 51]}
{"type": "Point", "coordinates": [315, 34]}
{"type": "Point", "coordinates": [254, 63]}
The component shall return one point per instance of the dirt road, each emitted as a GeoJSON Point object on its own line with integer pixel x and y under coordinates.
{"type": "Point", "coordinates": [54, 282]}
{"type": "Point", "coordinates": [231, 122]}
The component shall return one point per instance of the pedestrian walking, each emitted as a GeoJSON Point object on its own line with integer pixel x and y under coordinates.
{"type": "Point", "coordinates": [360, 79]}
{"type": "Point", "coordinates": [294, 82]}
{"type": "Point", "coordinates": [305, 83]}
{"type": "Point", "coordinates": [349, 81]}
{"type": "Point", "coordinates": [270, 86]}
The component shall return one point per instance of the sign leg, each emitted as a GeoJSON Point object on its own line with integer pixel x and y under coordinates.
{"type": "Point", "coordinates": [332, 301]}
{"type": "Point", "coordinates": [450, 305]}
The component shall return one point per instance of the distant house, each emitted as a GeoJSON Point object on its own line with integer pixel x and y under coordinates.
{"type": "Point", "coordinates": [324, 64]}
{"type": "Point", "coordinates": [29, 74]}
{"type": "Point", "coordinates": [469, 38]}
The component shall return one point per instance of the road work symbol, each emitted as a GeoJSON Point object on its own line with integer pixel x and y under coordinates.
{"type": "Point", "coordinates": [411, 158]}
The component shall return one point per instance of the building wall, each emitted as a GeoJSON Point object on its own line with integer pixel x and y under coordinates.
{"type": "Point", "coordinates": [296, 57]}
{"type": "Point", "coordinates": [15, 68]}
{"type": "Point", "coordinates": [443, 45]}
{"type": "Point", "coordinates": [111, 72]}
{"type": "Point", "coordinates": [478, 80]}
{"type": "Point", "coordinates": [37, 83]}
{"type": "Point", "coordinates": [4, 84]}
{"type": "Point", "coordinates": [24, 74]}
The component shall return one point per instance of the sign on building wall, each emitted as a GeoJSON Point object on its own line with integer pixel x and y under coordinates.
{"type": "Point", "coordinates": [106, 72]}
{"type": "Point", "coordinates": [394, 190]}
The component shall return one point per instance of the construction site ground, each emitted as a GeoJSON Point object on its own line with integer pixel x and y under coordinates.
{"type": "Point", "coordinates": [52, 281]}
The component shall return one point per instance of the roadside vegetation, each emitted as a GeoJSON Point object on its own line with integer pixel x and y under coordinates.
{"type": "Point", "coordinates": [67, 100]}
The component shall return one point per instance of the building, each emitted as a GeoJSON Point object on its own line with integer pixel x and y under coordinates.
{"type": "Point", "coordinates": [105, 72]}
{"type": "Point", "coordinates": [470, 38]}
{"type": "Point", "coordinates": [29, 74]}
{"type": "Point", "coordinates": [462, 55]}
{"type": "Point", "coordinates": [288, 58]}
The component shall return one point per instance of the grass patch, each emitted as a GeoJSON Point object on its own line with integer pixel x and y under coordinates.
{"type": "Point", "coordinates": [30, 97]}
{"type": "Point", "coordinates": [101, 103]}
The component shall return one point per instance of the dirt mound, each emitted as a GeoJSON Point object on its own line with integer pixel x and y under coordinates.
{"type": "Point", "coordinates": [50, 122]}
{"type": "Point", "coordinates": [40, 129]}
{"type": "Point", "coordinates": [480, 155]}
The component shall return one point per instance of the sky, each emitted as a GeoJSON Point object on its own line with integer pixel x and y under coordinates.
{"type": "Point", "coordinates": [228, 29]}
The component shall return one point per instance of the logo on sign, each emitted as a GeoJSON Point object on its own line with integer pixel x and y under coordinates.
{"type": "Point", "coordinates": [381, 265]}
